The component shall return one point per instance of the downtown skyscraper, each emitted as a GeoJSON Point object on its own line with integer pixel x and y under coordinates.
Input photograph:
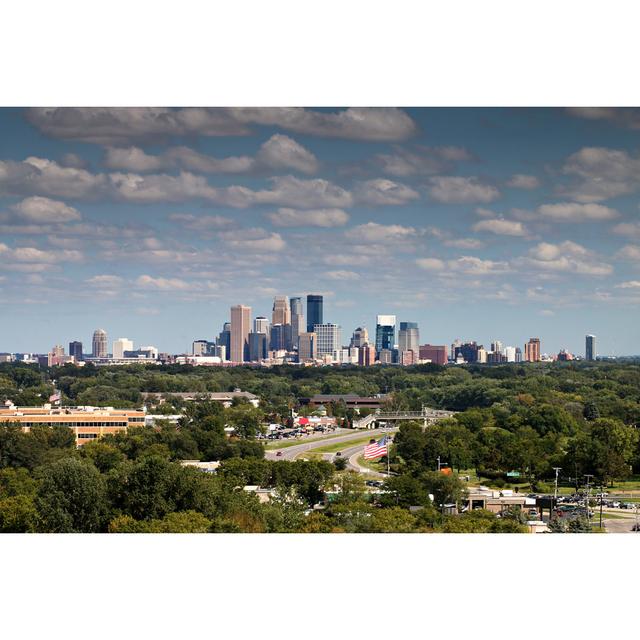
{"type": "Point", "coordinates": [240, 329]}
{"type": "Point", "coordinates": [315, 304]}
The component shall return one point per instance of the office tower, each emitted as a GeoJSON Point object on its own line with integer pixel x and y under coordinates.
{"type": "Point", "coordinates": [224, 340]}
{"type": "Point", "coordinates": [469, 351]}
{"type": "Point", "coordinates": [75, 350]}
{"type": "Point", "coordinates": [257, 346]}
{"type": "Point", "coordinates": [240, 328]}
{"type": "Point", "coordinates": [366, 355]}
{"type": "Point", "coordinates": [454, 345]}
{"type": "Point", "coordinates": [99, 344]}
{"type": "Point", "coordinates": [261, 325]}
{"type": "Point", "coordinates": [314, 311]}
{"type": "Point", "coordinates": [385, 332]}
{"type": "Point", "coordinates": [510, 354]}
{"type": "Point", "coordinates": [220, 351]}
{"type": "Point", "coordinates": [329, 338]}
{"type": "Point", "coordinates": [518, 354]}
{"type": "Point", "coordinates": [201, 348]}
{"type": "Point", "coordinates": [436, 353]}
{"type": "Point", "coordinates": [409, 337]}
{"type": "Point", "coordinates": [408, 358]}
{"type": "Point", "coordinates": [147, 353]}
{"type": "Point", "coordinates": [120, 346]}
{"type": "Point", "coordinates": [360, 337]}
{"type": "Point", "coordinates": [277, 337]}
{"type": "Point", "coordinates": [307, 346]}
{"type": "Point", "coordinates": [281, 313]}
{"type": "Point", "coordinates": [590, 347]}
{"type": "Point", "coordinates": [385, 356]}
{"type": "Point", "coordinates": [532, 350]}
{"type": "Point", "coordinates": [496, 346]}
{"type": "Point", "coordinates": [297, 320]}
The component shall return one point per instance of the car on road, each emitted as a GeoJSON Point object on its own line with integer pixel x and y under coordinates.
{"type": "Point", "coordinates": [278, 454]}
{"type": "Point", "coordinates": [338, 454]}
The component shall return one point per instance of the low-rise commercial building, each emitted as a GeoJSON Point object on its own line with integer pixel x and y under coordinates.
{"type": "Point", "coordinates": [87, 423]}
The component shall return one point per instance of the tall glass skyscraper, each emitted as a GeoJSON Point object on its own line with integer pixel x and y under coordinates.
{"type": "Point", "coordinates": [409, 337]}
{"type": "Point", "coordinates": [314, 311]}
{"type": "Point", "coordinates": [385, 332]}
{"type": "Point", "coordinates": [590, 347]}
{"type": "Point", "coordinates": [297, 320]}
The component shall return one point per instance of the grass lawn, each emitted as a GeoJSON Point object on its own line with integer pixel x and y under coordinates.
{"type": "Point", "coordinates": [339, 446]}
{"type": "Point", "coordinates": [283, 444]}
{"type": "Point", "coordinates": [374, 465]}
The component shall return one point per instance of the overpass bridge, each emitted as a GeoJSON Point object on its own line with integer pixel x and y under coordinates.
{"type": "Point", "coordinates": [427, 416]}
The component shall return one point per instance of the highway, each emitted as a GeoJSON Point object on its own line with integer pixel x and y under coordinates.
{"type": "Point", "coordinates": [309, 444]}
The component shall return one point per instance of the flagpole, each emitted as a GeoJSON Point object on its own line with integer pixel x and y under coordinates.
{"type": "Point", "coordinates": [388, 452]}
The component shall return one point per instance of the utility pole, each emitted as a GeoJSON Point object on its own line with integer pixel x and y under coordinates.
{"type": "Point", "coordinates": [588, 476]}
{"type": "Point", "coordinates": [601, 498]}
{"type": "Point", "coordinates": [555, 491]}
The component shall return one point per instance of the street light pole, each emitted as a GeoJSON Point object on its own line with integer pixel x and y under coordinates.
{"type": "Point", "coordinates": [555, 491]}
{"type": "Point", "coordinates": [588, 476]}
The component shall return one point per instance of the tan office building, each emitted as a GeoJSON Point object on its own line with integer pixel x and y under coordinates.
{"type": "Point", "coordinates": [240, 329]}
{"type": "Point", "coordinates": [88, 423]}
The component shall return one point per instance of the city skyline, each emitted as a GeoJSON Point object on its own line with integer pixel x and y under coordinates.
{"type": "Point", "coordinates": [475, 223]}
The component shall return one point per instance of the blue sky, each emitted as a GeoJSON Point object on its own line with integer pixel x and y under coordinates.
{"type": "Point", "coordinates": [476, 223]}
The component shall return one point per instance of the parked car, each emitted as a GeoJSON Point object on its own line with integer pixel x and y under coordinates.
{"type": "Point", "coordinates": [278, 454]}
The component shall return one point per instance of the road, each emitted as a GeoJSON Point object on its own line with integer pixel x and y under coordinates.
{"type": "Point", "coordinates": [290, 453]}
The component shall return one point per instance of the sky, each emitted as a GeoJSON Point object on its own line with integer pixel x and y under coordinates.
{"type": "Point", "coordinates": [479, 224]}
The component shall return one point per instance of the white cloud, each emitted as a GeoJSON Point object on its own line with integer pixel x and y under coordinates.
{"type": "Point", "coordinates": [567, 256]}
{"type": "Point", "coordinates": [629, 252]}
{"type": "Point", "coordinates": [162, 284]}
{"type": "Point", "coordinates": [46, 177]}
{"type": "Point", "coordinates": [464, 243]}
{"type": "Point", "coordinates": [372, 232]}
{"type": "Point", "coordinates": [342, 275]}
{"type": "Point", "coordinates": [630, 284]}
{"type": "Point", "coordinates": [279, 152]}
{"type": "Point", "coordinates": [37, 209]}
{"type": "Point", "coordinates": [502, 227]}
{"type": "Point", "coordinates": [629, 229]}
{"type": "Point", "coordinates": [461, 190]}
{"type": "Point", "coordinates": [547, 312]}
{"type": "Point", "coordinates": [575, 212]}
{"type": "Point", "coordinates": [305, 194]}
{"type": "Point", "coordinates": [121, 125]}
{"type": "Point", "coordinates": [523, 181]}
{"type": "Point", "coordinates": [384, 192]}
{"type": "Point", "coordinates": [421, 160]}
{"type": "Point", "coordinates": [286, 217]}
{"type": "Point", "coordinates": [601, 173]}
{"type": "Point", "coordinates": [472, 265]}
{"type": "Point", "coordinates": [431, 264]}
{"type": "Point", "coordinates": [34, 255]}
{"type": "Point", "coordinates": [282, 152]}
{"type": "Point", "coordinates": [253, 240]}
{"type": "Point", "coordinates": [105, 281]}
{"type": "Point", "coordinates": [626, 117]}
{"type": "Point", "coordinates": [200, 223]}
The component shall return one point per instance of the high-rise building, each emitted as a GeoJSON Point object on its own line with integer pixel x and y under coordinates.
{"type": "Point", "coordinates": [297, 320]}
{"type": "Point", "coordinates": [261, 325]}
{"type": "Point", "coordinates": [510, 354]}
{"type": "Point", "coordinates": [409, 337]}
{"type": "Point", "coordinates": [469, 351]}
{"type": "Point", "coordinates": [436, 353]}
{"type": "Point", "coordinates": [307, 346]}
{"type": "Point", "coordinates": [496, 346]}
{"type": "Point", "coordinates": [329, 338]}
{"type": "Point", "coordinates": [202, 348]}
{"type": "Point", "coordinates": [518, 354]}
{"type": "Point", "coordinates": [278, 337]}
{"type": "Point", "coordinates": [281, 311]}
{"type": "Point", "coordinates": [120, 346]}
{"type": "Point", "coordinates": [257, 346]}
{"type": "Point", "coordinates": [99, 344]}
{"type": "Point", "coordinates": [590, 352]}
{"type": "Point", "coordinates": [314, 311]}
{"type": "Point", "coordinates": [532, 350]}
{"type": "Point", "coordinates": [75, 350]}
{"type": "Point", "coordinates": [360, 337]}
{"type": "Point", "coordinates": [366, 355]}
{"type": "Point", "coordinates": [385, 332]}
{"type": "Point", "coordinates": [224, 340]}
{"type": "Point", "coordinates": [240, 328]}
{"type": "Point", "coordinates": [454, 345]}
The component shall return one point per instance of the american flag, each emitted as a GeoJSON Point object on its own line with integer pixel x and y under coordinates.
{"type": "Point", "coordinates": [375, 449]}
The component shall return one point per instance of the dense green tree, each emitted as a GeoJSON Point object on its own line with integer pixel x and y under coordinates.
{"type": "Point", "coordinates": [71, 497]}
